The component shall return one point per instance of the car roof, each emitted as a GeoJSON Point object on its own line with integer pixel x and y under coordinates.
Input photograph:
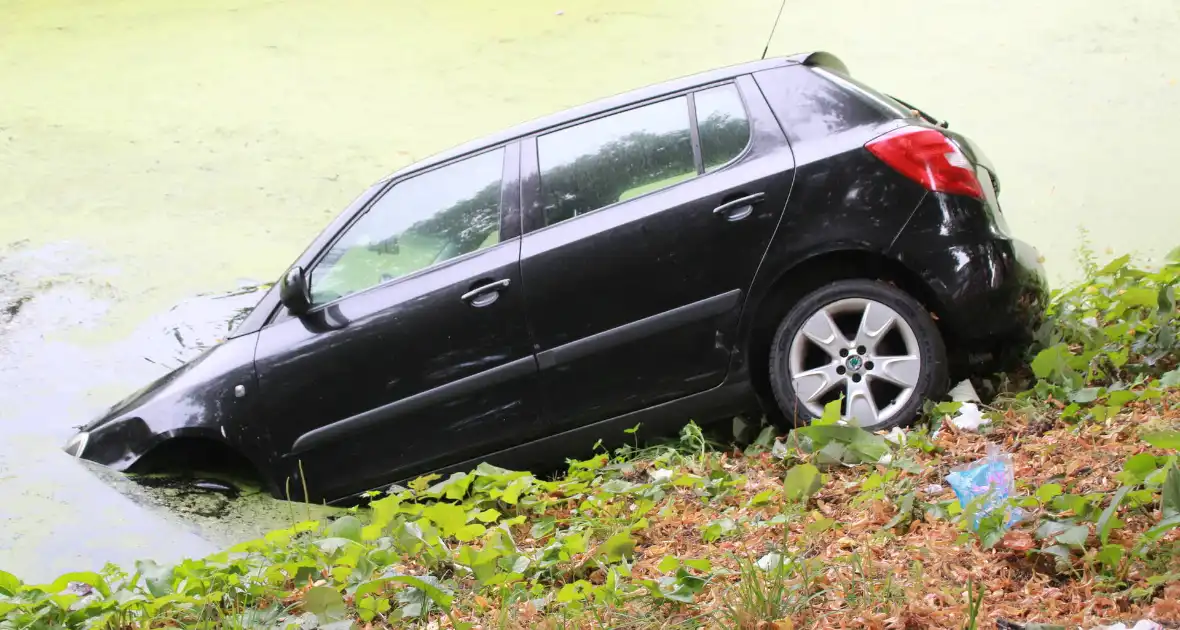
{"type": "Point", "coordinates": [611, 102]}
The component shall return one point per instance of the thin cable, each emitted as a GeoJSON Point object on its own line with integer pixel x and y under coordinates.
{"type": "Point", "coordinates": [773, 27]}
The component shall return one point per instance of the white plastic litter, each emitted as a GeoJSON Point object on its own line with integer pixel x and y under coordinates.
{"type": "Point", "coordinates": [779, 450]}
{"type": "Point", "coordinates": [969, 418]}
{"type": "Point", "coordinates": [964, 392]}
{"type": "Point", "coordinates": [660, 474]}
{"type": "Point", "coordinates": [897, 436]}
{"type": "Point", "coordinates": [1143, 624]}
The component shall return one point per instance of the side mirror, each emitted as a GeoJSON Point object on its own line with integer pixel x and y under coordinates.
{"type": "Point", "coordinates": [295, 293]}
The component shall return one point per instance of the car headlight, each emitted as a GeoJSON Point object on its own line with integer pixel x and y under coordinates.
{"type": "Point", "coordinates": [77, 444]}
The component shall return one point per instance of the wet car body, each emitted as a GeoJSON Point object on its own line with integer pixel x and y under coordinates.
{"type": "Point", "coordinates": [649, 311]}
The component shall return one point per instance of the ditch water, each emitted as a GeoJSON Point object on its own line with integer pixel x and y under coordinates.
{"type": "Point", "coordinates": [152, 152]}
{"type": "Point", "coordinates": [60, 514]}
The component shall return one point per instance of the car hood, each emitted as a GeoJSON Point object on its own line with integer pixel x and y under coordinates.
{"type": "Point", "coordinates": [146, 393]}
{"type": "Point", "coordinates": [211, 396]}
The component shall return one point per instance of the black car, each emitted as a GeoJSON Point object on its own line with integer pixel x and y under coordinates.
{"type": "Point", "coordinates": [763, 238]}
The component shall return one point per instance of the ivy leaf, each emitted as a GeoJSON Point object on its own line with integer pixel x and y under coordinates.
{"type": "Point", "coordinates": [1137, 468]}
{"type": "Point", "coordinates": [684, 587]}
{"type": "Point", "coordinates": [1108, 521]}
{"type": "Point", "coordinates": [1049, 529]}
{"type": "Point", "coordinates": [830, 416]}
{"type": "Point", "coordinates": [1046, 492]}
{"type": "Point", "coordinates": [331, 546]}
{"type": "Point", "coordinates": [325, 603]}
{"type": "Point", "coordinates": [157, 578]}
{"type": "Point", "coordinates": [543, 527]}
{"type": "Point", "coordinates": [718, 528]}
{"type": "Point", "coordinates": [1050, 360]}
{"type": "Point", "coordinates": [905, 510]}
{"type": "Point", "coordinates": [860, 446]}
{"type": "Point", "coordinates": [1139, 296]}
{"type": "Point", "coordinates": [515, 489]}
{"type": "Point", "coordinates": [430, 586]}
{"type": "Point", "coordinates": [487, 516]}
{"type": "Point", "coordinates": [833, 453]}
{"type": "Point", "coordinates": [348, 527]}
{"type": "Point", "coordinates": [762, 498]}
{"type": "Point", "coordinates": [468, 533]}
{"type": "Point", "coordinates": [1110, 556]}
{"type": "Point", "coordinates": [668, 563]}
{"type": "Point", "coordinates": [1163, 439]}
{"type": "Point", "coordinates": [9, 584]}
{"type": "Point", "coordinates": [425, 592]}
{"type": "Point", "coordinates": [1121, 398]}
{"type": "Point", "coordinates": [802, 481]}
{"type": "Point", "coordinates": [1115, 265]}
{"type": "Point", "coordinates": [1061, 556]}
{"type": "Point", "coordinates": [1165, 526]}
{"type": "Point", "coordinates": [457, 485]}
{"type": "Point", "coordinates": [482, 562]}
{"type": "Point", "coordinates": [1075, 536]}
{"type": "Point", "coordinates": [619, 546]}
{"type": "Point", "coordinates": [574, 591]}
{"type": "Point", "coordinates": [449, 518]}
{"type": "Point", "coordinates": [1170, 494]}
{"type": "Point", "coordinates": [1085, 395]}
{"type": "Point", "coordinates": [821, 525]}
{"type": "Point", "coordinates": [1171, 379]}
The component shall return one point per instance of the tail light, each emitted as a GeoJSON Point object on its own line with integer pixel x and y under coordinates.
{"type": "Point", "coordinates": [929, 158]}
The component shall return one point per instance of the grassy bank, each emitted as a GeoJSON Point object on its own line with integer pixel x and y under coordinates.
{"type": "Point", "coordinates": [827, 526]}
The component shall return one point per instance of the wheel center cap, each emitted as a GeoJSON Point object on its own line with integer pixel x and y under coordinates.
{"type": "Point", "coordinates": [854, 363]}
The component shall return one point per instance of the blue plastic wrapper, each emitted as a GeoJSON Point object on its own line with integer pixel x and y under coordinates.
{"type": "Point", "coordinates": [991, 477]}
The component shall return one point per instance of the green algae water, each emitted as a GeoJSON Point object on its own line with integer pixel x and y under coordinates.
{"type": "Point", "coordinates": [155, 151]}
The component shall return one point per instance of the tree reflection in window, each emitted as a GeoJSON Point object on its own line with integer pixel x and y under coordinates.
{"type": "Point", "coordinates": [427, 219]}
{"type": "Point", "coordinates": [615, 158]}
{"type": "Point", "coordinates": [722, 124]}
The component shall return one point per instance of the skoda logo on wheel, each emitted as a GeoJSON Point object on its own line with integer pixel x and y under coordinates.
{"type": "Point", "coordinates": [855, 363]}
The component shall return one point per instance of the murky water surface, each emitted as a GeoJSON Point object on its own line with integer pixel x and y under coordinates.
{"type": "Point", "coordinates": [152, 152]}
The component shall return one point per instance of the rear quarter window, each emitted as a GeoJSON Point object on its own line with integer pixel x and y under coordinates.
{"type": "Point", "coordinates": [811, 104]}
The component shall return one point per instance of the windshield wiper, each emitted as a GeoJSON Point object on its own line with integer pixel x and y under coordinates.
{"type": "Point", "coordinates": [927, 117]}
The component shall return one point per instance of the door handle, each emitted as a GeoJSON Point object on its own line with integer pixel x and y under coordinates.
{"type": "Point", "coordinates": [488, 292]}
{"type": "Point", "coordinates": [739, 208]}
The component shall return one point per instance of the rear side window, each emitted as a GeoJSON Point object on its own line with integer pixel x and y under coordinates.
{"type": "Point", "coordinates": [809, 105]}
{"type": "Point", "coordinates": [615, 158]}
{"type": "Point", "coordinates": [722, 124]}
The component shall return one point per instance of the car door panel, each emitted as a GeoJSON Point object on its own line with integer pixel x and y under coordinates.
{"type": "Point", "coordinates": [406, 376]}
{"type": "Point", "coordinates": [636, 303]}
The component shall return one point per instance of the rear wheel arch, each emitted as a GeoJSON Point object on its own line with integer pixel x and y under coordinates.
{"type": "Point", "coordinates": [808, 275]}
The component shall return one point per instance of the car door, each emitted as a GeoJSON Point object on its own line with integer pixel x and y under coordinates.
{"type": "Point", "coordinates": [644, 228]}
{"type": "Point", "coordinates": [416, 353]}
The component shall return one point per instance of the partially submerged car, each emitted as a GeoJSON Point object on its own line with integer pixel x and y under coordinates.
{"type": "Point", "coordinates": [763, 238]}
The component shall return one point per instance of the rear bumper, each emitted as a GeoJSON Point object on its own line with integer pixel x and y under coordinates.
{"type": "Point", "coordinates": [991, 296]}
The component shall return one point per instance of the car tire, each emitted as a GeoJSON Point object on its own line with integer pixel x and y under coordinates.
{"type": "Point", "coordinates": [887, 360]}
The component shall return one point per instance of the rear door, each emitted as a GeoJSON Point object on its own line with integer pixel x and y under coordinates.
{"type": "Point", "coordinates": [644, 228]}
{"type": "Point", "coordinates": [416, 354]}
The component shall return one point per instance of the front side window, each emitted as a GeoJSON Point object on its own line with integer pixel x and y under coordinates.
{"type": "Point", "coordinates": [613, 159]}
{"type": "Point", "coordinates": [722, 123]}
{"type": "Point", "coordinates": [424, 220]}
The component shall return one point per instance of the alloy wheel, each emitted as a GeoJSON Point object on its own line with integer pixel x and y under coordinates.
{"type": "Point", "coordinates": [861, 349]}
